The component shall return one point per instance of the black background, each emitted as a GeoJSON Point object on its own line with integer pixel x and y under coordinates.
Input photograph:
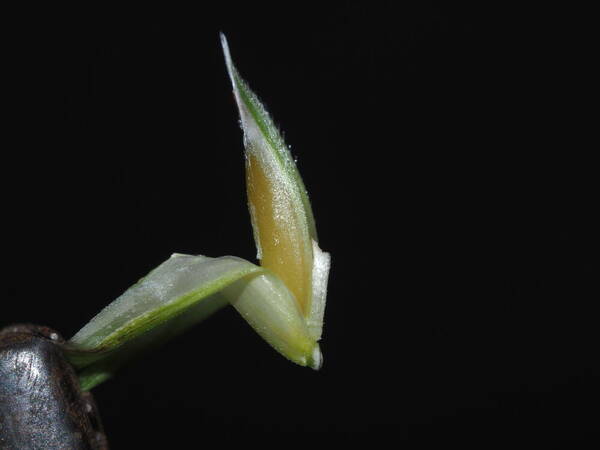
{"type": "Point", "coordinates": [442, 149]}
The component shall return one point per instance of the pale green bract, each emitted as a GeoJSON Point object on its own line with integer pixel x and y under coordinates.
{"type": "Point", "coordinates": [181, 292]}
{"type": "Point", "coordinates": [184, 290]}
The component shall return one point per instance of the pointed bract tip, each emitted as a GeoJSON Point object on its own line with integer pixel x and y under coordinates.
{"type": "Point", "coordinates": [227, 55]}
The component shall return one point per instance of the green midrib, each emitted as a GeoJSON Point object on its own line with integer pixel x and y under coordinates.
{"type": "Point", "coordinates": [290, 168]}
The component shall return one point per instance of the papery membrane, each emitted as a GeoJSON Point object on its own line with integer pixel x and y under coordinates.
{"type": "Point", "coordinates": [320, 275]}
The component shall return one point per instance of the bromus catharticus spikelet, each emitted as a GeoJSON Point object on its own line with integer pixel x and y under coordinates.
{"type": "Point", "coordinates": [283, 298]}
